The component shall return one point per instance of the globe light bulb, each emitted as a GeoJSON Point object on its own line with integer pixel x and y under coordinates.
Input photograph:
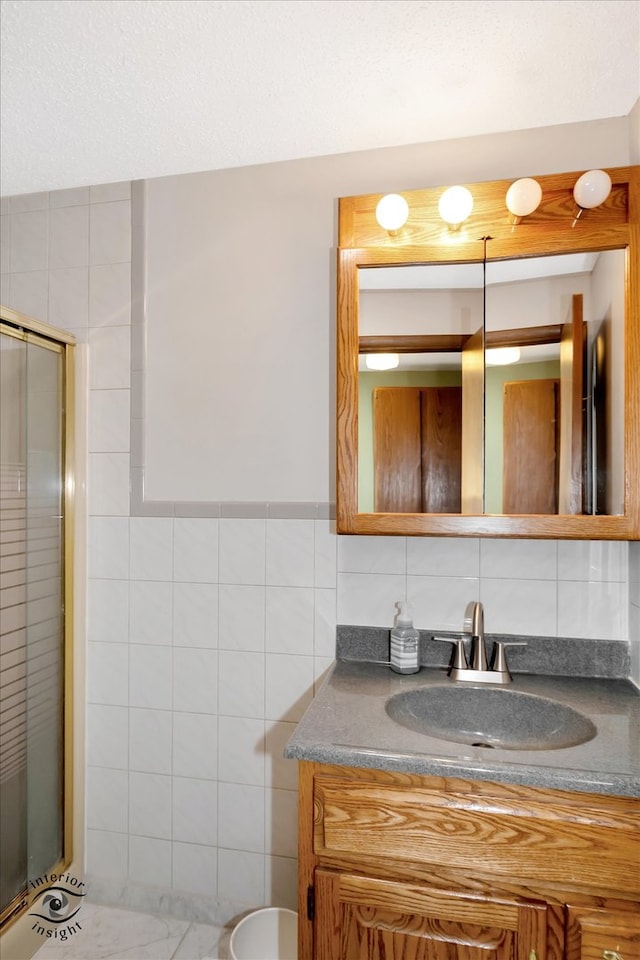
{"type": "Point", "coordinates": [455, 205]}
{"type": "Point", "coordinates": [392, 212]}
{"type": "Point", "coordinates": [382, 361]}
{"type": "Point", "coordinates": [592, 189]}
{"type": "Point", "coordinates": [523, 197]}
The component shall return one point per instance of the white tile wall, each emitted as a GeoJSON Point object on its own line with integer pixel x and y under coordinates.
{"type": "Point", "coordinates": [206, 637]}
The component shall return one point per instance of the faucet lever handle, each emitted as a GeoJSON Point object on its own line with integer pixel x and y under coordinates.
{"type": "Point", "coordinates": [498, 658]}
{"type": "Point", "coordinates": [459, 659]}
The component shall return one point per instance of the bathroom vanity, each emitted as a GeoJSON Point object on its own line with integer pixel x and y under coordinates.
{"type": "Point", "coordinates": [412, 846]}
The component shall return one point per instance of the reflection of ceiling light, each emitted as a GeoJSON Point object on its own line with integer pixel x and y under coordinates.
{"type": "Point", "coordinates": [455, 205]}
{"type": "Point", "coordinates": [382, 361]}
{"type": "Point", "coordinates": [501, 356]}
{"type": "Point", "coordinates": [392, 212]}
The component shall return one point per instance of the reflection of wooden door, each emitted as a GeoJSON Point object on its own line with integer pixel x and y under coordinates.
{"type": "Point", "coordinates": [530, 462]}
{"type": "Point", "coordinates": [473, 424]}
{"type": "Point", "coordinates": [397, 457]}
{"type": "Point", "coordinates": [572, 360]}
{"type": "Point", "coordinates": [368, 918]}
{"type": "Point", "coordinates": [417, 449]}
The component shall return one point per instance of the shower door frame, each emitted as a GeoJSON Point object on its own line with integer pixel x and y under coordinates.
{"type": "Point", "coordinates": [28, 330]}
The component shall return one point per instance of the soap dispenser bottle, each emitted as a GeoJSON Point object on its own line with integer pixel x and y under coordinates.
{"type": "Point", "coordinates": [405, 642]}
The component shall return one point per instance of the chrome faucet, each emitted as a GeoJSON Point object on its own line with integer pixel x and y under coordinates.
{"type": "Point", "coordinates": [480, 671]}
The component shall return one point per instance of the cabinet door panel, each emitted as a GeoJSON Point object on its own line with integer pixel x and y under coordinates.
{"type": "Point", "coordinates": [363, 918]}
{"type": "Point", "coordinates": [603, 934]}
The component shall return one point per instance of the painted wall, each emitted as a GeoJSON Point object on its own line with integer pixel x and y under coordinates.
{"type": "Point", "coordinates": [210, 622]}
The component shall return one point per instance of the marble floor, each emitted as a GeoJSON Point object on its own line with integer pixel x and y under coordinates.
{"type": "Point", "coordinates": [111, 933]}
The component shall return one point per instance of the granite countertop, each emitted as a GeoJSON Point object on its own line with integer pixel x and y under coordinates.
{"type": "Point", "coordinates": [347, 724]}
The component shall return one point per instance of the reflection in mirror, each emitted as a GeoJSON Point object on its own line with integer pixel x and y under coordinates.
{"type": "Point", "coordinates": [555, 417]}
{"type": "Point", "coordinates": [450, 431]}
{"type": "Point", "coordinates": [420, 434]}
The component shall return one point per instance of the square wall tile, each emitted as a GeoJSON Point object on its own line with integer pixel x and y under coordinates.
{"type": "Point", "coordinates": [243, 551]}
{"type": "Point", "coordinates": [108, 488]}
{"type": "Point", "coordinates": [290, 620]}
{"type": "Point", "coordinates": [110, 295]}
{"type": "Point", "coordinates": [369, 600]}
{"type": "Point", "coordinates": [242, 750]}
{"type": "Point", "coordinates": [107, 736]}
{"type": "Point", "coordinates": [107, 799]}
{"type": "Point", "coordinates": [108, 611]}
{"type": "Point", "coordinates": [520, 606]}
{"type": "Point", "coordinates": [443, 556]}
{"type": "Point", "coordinates": [440, 603]}
{"type": "Point", "coordinates": [594, 560]}
{"type": "Point", "coordinates": [385, 555]}
{"type": "Point", "coordinates": [150, 861]}
{"type": "Point", "coordinates": [150, 616]}
{"type": "Point", "coordinates": [241, 811]}
{"type": "Point", "coordinates": [109, 419]}
{"type": "Point", "coordinates": [519, 559]}
{"type": "Point", "coordinates": [110, 232]}
{"type": "Point", "coordinates": [288, 686]}
{"type": "Point", "coordinates": [109, 548]}
{"type": "Point", "coordinates": [25, 202]}
{"type": "Point", "coordinates": [69, 237]}
{"type": "Point", "coordinates": [242, 617]}
{"type": "Point", "coordinates": [195, 811]}
{"type": "Point", "coordinates": [150, 741]}
{"type": "Point", "coordinates": [195, 869]}
{"type": "Point", "coordinates": [281, 881]}
{"type": "Point", "coordinates": [242, 684]}
{"type": "Point", "coordinates": [591, 609]}
{"type": "Point", "coordinates": [107, 673]}
{"type": "Point", "coordinates": [241, 876]}
{"type": "Point", "coordinates": [5, 248]}
{"type": "Point", "coordinates": [195, 550]}
{"type": "Point", "coordinates": [29, 241]}
{"type": "Point", "coordinates": [150, 676]}
{"type": "Point", "coordinates": [107, 854]}
{"type": "Point", "coordinates": [110, 358]}
{"type": "Point", "coordinates": [69, 297]}
{"type": "Point", "coordinates": [195, 746]}
{"type": "Point", "coordinates": [290, 553]}
{"type": "Point", "coordinates": [195, 680]}
{"type": "Point", "coordinates": [150, 805]}
{"type": "Point", "coordinates": [151, 548]}
{"type": "Point", "coordinates": [30, 294]}
{"type": "Point", "coordinates": [195, 614]}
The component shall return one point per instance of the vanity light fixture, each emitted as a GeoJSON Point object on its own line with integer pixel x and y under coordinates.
{"type": "Point", "coordinates": [381, 361]}
{"type": "Point", "coordinates": [392, 213]}
{"type": "Point", "coordinates": [590, 190]}
{"type": "Point", "coordinates": [501, 356]}
{"type": "Point", "coordinates": [523, 197]}
{"type": "Point", "coordinates": [455, 205]}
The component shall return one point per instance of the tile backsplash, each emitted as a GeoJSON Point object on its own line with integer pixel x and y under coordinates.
{"type": "Point", "coordinates": [206, 635]}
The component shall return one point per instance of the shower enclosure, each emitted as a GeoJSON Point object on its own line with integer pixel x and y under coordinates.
{"type": "Point", "coordinates": [36, 487]}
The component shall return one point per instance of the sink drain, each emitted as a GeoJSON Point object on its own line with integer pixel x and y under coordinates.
{"type": "Point", "coordinates": [480, 743]}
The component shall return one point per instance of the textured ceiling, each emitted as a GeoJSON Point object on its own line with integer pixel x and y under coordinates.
{"type": "Point", "coordinates": [94, 91]}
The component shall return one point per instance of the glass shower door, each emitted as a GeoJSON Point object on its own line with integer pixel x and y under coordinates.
{"type": "Point", "coordinates": [32, 628]}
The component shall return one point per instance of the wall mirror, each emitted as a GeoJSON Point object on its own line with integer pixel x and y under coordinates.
{"type": "Point", "coordinates": [487, 375]}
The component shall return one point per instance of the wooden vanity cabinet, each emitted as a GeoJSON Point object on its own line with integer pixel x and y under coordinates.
{"type": "Point", "coordinates": [397, 866]}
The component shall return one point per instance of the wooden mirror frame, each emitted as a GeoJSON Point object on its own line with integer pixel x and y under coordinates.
{"type": "Point", "coordinates": [425, 238]}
